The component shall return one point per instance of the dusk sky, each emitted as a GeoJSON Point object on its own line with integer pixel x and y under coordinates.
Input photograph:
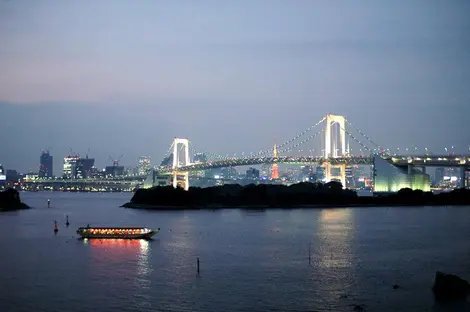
{"type": "Point", "coordinates": [125, 77]}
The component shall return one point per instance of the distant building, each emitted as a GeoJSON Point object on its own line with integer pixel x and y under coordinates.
{"type": "Point", "coordinates": [12, 175]}
{"type": "Point", "coordinates": [3, 174]}
{"type": "Point", "coordinates": [31, 176]}
{"type": "Point", "coordinates": [252, 173]}
{"type": "Point", "coordinates": [83, 168]}
{"type": "Point", "coordinates": [320, 173]}
{"type": "Point", "coordinates": [144, 165]}
{"type": "Point", "coordinates": [265, 171]}
{"type": "Point", "coordinates": [45, 165]}
{"type": "Point", "coordinates": [114, 171]}
{"type": "Point", "coordinates": [69, 166]}
{"type": "Point", "coordinates": [349, 173]}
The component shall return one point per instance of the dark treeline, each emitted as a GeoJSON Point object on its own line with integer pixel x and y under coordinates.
{"type": "Point", "coordinates": [297, 195]}
{"type": "Point", "coordinates": [10, 200]}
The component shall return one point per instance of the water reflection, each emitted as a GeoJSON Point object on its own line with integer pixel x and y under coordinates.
{"type": "Point", "coordinates": [333, 259]}
{"type": "Point", "coordinates": [336, 232]}
{"type": "Point", "coordinates": [124, 260]}
{"type": "Point", "coordinates": [143, 281]}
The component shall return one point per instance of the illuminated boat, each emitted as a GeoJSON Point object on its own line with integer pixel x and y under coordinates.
{"type": "Point", "coordinates": [116, 232]}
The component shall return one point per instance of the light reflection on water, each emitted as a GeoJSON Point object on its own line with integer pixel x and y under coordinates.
{"type": "Point", "coordinates": [336, 230]}
{"type": "Point", "coordinates": [333, 256]}
{"type": "Point", "coordinates": [126, 253]}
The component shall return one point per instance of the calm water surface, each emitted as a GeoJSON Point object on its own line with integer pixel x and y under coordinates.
{"type": "Point", "coordinates": [250, 261]}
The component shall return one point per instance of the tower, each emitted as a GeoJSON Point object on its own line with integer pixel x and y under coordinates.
{"type": "Point", "coordinates": [335, 147]}
{"type": "Point", "coordinates": [332, 120]}
{"type": "Point", "coordinates": [275, 169]}
{"type": "Point", "coordinates": [184, 143]}
{"type": "Point", "coordinates": [176, 156]}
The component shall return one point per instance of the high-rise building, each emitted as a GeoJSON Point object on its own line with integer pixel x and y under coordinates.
{"type": "Point", "coordinates": [82, 168]}
{"type": "Point", "coordinates": [69, 166]}
{"type": "Point", "coordinates": [45, 165]}
{"type": "Point", "coordinates": [144, 165]}
{"type": "Point", "coordinates": [114, 171]}
{"type": "Point", "coordinates": [12, 175]}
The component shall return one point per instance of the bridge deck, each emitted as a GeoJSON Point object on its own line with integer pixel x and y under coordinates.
{"type": "Point", "coordinates": [427, 160]}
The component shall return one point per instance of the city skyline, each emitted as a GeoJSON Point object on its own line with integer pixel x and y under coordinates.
{"type": "Point", "coordinates": [159, 70]}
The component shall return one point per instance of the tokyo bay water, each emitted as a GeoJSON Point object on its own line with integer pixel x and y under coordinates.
{"type": "Point", "coordinates": [249, 260]}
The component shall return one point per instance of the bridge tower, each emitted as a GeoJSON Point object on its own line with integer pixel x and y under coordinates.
{"type": "Point", "coordinates": [177, 145]}
{"type": "Point", "coordinates": [335, 147]}
{"type": "Point", "coordinates": [275, 168]}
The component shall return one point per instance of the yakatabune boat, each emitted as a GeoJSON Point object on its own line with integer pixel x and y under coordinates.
{"type": "Point", "coordinates": [116, 232]}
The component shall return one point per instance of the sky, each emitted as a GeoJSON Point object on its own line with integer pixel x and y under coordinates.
{"type": "Point", "coordinates": [126, 77]}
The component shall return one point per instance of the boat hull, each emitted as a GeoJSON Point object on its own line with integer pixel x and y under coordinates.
{"type": "Point", "coordinates": [114, 233]}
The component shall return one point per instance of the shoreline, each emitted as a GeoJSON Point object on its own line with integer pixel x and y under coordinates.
{"type": "Point", "coordinates": [20, 206]}
{"type": "Point", "coordinates": [131, 205]}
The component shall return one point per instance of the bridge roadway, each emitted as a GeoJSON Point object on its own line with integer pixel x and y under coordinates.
{"type": "Point", "coordinates": [127, 180]}
{"type": "Point", "coordinates": [400, 161]}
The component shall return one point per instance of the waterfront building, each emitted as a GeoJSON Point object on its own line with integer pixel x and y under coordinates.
{"type": "Point", "coordinates": [390, 178]}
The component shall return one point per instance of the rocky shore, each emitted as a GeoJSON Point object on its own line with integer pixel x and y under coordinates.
{"type": "Point", "coordinates": [10, 200]}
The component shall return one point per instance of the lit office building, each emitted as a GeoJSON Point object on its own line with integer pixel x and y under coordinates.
{"type": "Point", "coordinates": [144, 165]}
{"type": "Point", "coordinates": [69, 166]}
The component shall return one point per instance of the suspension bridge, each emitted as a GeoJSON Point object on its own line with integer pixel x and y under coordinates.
{"type": "Point", "coordinates": [336, 154]}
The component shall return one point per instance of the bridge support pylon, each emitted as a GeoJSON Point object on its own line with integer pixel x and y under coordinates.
{"type": "Point", "coordinates": [184, 182]}
{"type": "Point", "coordinates": [333, 146]}
{"type": "Point", "coordinates": [184, 143]}
{"type": "Point", "coordinates": [330, 177]}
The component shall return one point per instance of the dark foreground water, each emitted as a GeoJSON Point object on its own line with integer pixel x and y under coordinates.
{"type": "Point", "coordinates": [250, 261]}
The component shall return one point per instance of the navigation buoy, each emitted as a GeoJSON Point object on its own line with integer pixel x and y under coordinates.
{"type": "Point", "coordinates": [56, 228]}
{"type": "Point", "coordinates": [67, 223]}
{"type": "Point", "coordinates": [48, 203]}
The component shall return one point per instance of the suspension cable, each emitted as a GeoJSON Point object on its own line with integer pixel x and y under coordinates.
{"type": "Point", "coordinates": [291, 140]}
